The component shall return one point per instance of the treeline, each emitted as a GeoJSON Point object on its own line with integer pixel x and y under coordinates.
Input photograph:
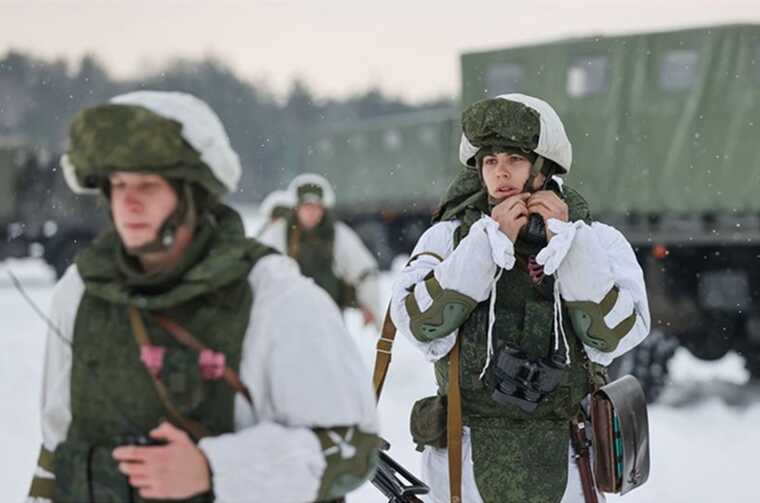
{"type": "Point", "coordinates": [38, 99]}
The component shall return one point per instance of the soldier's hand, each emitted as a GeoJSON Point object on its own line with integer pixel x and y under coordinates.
{"type": "Point", "coordinates": [367, 316]}
{"type": "Point", "coordinates": [177, 470]}
{"type": "Point", "coordinates": [512, 215]}
{"type": "Point", "coordinates": [549, 205]}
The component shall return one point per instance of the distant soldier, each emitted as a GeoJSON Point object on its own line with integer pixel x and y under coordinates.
{"type": "Point", "coordinates": [277, 205]}
{"type": "Point", "coordinates": [530, 298]}
{"type": "Point", "coordinates": [328, 251]}
{"type": "Point", "coordinates": [174, 329]}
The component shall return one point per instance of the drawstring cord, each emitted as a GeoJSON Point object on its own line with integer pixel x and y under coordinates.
{"type": "Point", "coordinates": [559, 327]}
{"type": "Point", "coordinates": [491, 320]}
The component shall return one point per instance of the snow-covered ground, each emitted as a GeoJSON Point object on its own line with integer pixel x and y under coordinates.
{"type": "Point", "coordinates": [704, 438]}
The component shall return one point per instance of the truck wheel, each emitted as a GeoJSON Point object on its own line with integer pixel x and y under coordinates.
{"type": "Point", "coordinates": [648, 362]}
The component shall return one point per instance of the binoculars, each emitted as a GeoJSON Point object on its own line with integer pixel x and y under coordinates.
{"type": "Point", "coordinates": [523, 382]}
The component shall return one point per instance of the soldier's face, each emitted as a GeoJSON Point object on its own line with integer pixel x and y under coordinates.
{"type": "Point", "coordinates": [505, 174]}
{"type": "Point", "coordinates": [309, 215]}
{"type": "Point", "coordinates": [140, 203]}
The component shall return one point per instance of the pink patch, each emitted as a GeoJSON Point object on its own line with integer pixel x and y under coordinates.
{"type": "Point", "coordinates": [212, 364]}
{"type": "Point", "coordinates": [535, 270]}
{"type": "Point", "coordinates": [153, 358]}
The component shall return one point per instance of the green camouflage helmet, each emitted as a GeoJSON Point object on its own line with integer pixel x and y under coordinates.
{"type": "Point", "coordinates": [498, 123]}
{"type": "Point", "coordinates": [173, 135]}
{"type": "Point", "coordinates": [514, 121]}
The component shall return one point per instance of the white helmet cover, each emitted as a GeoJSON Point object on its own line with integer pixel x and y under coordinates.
{"type": "Point", "coordinates": [201, 128]}
{"type": "Point", "coordinates": [328, 195]}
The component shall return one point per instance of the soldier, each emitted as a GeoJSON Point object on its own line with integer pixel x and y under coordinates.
{"type": "Point", "coordinates": [173, 329]}
{"type": "Point", "coordinates": [484, 283]}
{"type": "Point", "coordinates": [277, 205]}
{"type": "Point", "coordinates": [328, 251]}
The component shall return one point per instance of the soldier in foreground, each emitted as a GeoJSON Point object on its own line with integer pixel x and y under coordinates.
{"type": "Point", "coordinates": [515, 285]}
{"type": "Point", "coordinates": [328, 251]}
{"type": "Point", "coordinates": [186, 362]}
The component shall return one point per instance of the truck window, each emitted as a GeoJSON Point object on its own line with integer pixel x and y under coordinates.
{"type": "Point", "coordinates": [503, 78]}
{"type": "Point", "coordinates": [427, 136]}
{"type": "Point", "coordinates": [357, 142]}
{"type": "Point", "coordinates": [392, 140]}
{"type": "Point", "coordinates": [587, 76]}
{"type": "Point", "coordinates": [678, 69]}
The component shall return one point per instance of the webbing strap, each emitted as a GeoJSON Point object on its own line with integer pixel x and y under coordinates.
{"type": "Point", "coordinates": [454, 425]}
{"type": "Point", "coordinates": [384, 348]}
{"type": "Point", "coordinates": [46, 460]}
{"type": "Point", "coordinates": [294, 244]}
{"type": "Point", "coordinates": [42, 488]}
{"type": "Point", "coordinates": [196, 429]}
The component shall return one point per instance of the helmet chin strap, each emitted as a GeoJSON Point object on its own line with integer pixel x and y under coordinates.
{"type": "Point", "coordinates": [184, 214]}
{"type": "Point", "coordinates": [535, 170]}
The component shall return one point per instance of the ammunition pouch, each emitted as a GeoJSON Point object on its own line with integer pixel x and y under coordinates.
{"type": "Point", "coordinates": [428, 422]}
{"type": "Point", "coordinates": [88, 473]}
{"type": "Point", "coordinates": [620, 436]}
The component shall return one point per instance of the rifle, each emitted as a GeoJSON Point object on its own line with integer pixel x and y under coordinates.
{"type": "Point", "coordinates": [395, 481]}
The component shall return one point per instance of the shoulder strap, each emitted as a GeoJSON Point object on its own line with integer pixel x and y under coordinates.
{"type": "Point", "coordinates": [383, 353]}
{"type": "Point", "coordinates": [184, 337]}
{"type": "Point", "coordinates": [293, 244]}
{"type": "Point", "coordinates": [196, 429]}
{"type": "Point", "coordinates": [454, 425]}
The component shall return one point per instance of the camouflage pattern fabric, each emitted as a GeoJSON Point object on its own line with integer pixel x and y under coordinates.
{"type": "Point", "coordinates": [497, 122]}
{"type": "Point", "coordinates": [109, 138]}
{"type": "Point", "coordinates": [219, 255]}
{"type": "Point", "coordinates": [518, 456]}
{"type": "Point", "coordinates": [520, 461]}
{"type": "Point", "coordinates": [112, 394]}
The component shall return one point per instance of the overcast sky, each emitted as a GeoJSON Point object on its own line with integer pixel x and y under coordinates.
{"type": "Point", "coordinates": [409, 48]}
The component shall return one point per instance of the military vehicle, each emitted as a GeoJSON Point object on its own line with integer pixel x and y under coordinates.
{"type": "Point", "coordinates": [664, 128]}
{"type": "Point", "coordinates": [39, 215]}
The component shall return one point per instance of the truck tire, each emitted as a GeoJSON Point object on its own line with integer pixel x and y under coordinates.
{"type": "Point", "coordinates": [648, 362]}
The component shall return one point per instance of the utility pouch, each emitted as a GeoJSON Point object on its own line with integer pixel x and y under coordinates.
{"type": "Point", "coordinates": [620, 435]}
{"type": "Point", "coordinates": [428, 422]}
{"type": "Point", "coordinates": [88, 473]}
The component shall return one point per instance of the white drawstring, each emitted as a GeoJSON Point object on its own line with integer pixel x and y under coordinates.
{"type": "Point", "coordinates": [558, 324]}
{"type": "Point", "coordinates": [491, 320]}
